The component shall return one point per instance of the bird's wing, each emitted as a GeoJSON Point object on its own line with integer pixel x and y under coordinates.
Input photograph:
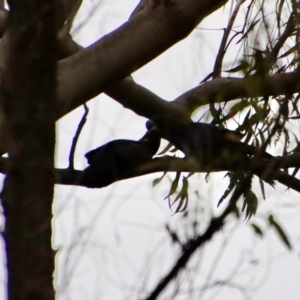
{"type": "Point", "coordinates": [229, 135]}
{"type": "Point", "coordinates": [106, 150]}
{"type": "Point", "coordinates": [133, 153]}
{"type": "Point", "coordinates": [125, 152]}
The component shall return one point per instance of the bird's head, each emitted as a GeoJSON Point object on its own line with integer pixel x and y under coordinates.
{"type": "Point", "coordinates": [171, 129]}
{"type": "Point", "coordinates": [151, 139]}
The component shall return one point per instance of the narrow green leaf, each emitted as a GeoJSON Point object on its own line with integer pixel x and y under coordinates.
{"type": "Point", "coordinates": [231, 186]}
{"type": "Point", "coordinates": [262, 188]}
{"type": "Point", "coordinates": [257, 230]}
{"type": "Point", "coordinates": [156, 181]}
{"type": "Point", "coordinates": [185, 185]}
{"type": "Point", "coordinates": [250, 204]}
{"type": "Point", "coordinates": [280, 232]}
{"type": "Point", "coordinates": [174, 185]}
{"type": "Point", "coordinates": [182, 196]}
{"type": "Point", "coordinates": [238, 107]}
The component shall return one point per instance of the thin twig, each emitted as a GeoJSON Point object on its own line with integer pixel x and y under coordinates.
{"type": "Point", "coordinates": [76, 137]}
{"type": "Point", "coordinates": [290, 27]}
{"type": "Point", "coordinates": [223, 45]}
{"type": "Point", "coordinates": [215, 225]}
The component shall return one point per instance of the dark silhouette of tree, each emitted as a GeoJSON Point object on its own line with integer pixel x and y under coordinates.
{"type": "Point", "coordinates": [45, 75]}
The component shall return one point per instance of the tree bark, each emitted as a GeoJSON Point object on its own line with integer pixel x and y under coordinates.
{"type": "Point", "coordinates": [28, 105]}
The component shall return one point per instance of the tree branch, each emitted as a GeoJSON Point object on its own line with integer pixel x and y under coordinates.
{"type": "Point", "coordinates": [92, 70]}
{"type": "Point", "coordinates": [147, 104]}
{"type": "Point", "coordinates": [144, 102]}
{"type": "Point", "coordinates": [266, 169]}
{"type": "Point", "coordinates": [76, 137]}
{"type": "Point", "coordinates": [189, 249]}
{"type": "Point", "coordinates": [227, 89]}
{"type": "Point", "coordinates": [223, 45]}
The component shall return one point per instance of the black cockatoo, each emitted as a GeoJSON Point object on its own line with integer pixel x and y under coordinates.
{"type": "Point", "coordinates": [209, 145]}
{"type": "Point", "coordinates": [117, 158]}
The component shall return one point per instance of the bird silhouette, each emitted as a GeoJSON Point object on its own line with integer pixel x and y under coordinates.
{"type": "Point", "coordinates": [117, 158]}
{"type": "Point", "coordinates": [210, 145]}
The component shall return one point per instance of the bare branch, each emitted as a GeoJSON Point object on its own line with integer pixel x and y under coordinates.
{"type": "Point", "coordinates": [265, 169]}
{"type": "Point", "coordinates": [222, 49]}
{"type": "Point", "coordinates": [134, 96]}
{"type": "Point", "coordinates": [190, 247]}
{"type": "Point", "coordinates": [143, 102]}
{"type": "Point", "coordinates": [227, 89]}
{"type": "Point", "coordinates": [272, 56]}
{"type": "Point", "coordinates": [92, 70]}
{"type": "Point", "coordinates": [76, 137]}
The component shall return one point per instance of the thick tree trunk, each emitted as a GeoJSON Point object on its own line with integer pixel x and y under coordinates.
{"type": "Point", "coordinates": [28, 105]}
